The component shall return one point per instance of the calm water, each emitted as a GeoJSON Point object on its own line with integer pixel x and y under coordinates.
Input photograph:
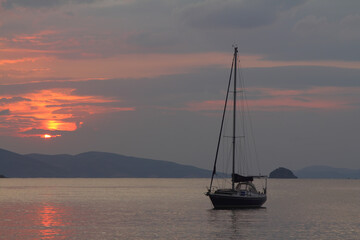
{"type": "Point", "coordinates": [174, 209]}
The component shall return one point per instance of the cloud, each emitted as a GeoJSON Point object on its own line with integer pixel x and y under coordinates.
{"type": "Point", "coordinates": [276, 30]}
{"type": "Point", "coordinates": [234, 13]}
{"type": "Point", "coordinates": [151, 65]}
{"type": "Point", "coordinates": [320, 28]}
{"type": "Point", "coordinates": [52, 111]}
{"type": "Point", "coordinates": [122, 66]}
{"type": "Point", "coordinates": [270, 99]}
{"type": "Point", "coordinates": [9, 4]}
{"type": "Point", "coordinates": [5, 112]}
{"type": "Point", "coordinates": [5, 101]}
{"type": "Point", "coordinates": [46, 38]}
{"type": "Point", "coordinates": [15, 61]}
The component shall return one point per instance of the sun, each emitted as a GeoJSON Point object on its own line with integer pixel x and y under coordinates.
{"type": "Point", "coordinates": [47, 136]}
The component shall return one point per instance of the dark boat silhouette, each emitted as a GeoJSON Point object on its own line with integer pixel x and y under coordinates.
{"type": "Point", "coordinates": [242, 193]}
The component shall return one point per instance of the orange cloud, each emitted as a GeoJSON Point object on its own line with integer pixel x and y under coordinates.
{"type": "Point", "coordinates": [38, 39]}
{"type": "Point", "coordinates": [87, 64]}
{"type": "Point", "coordinates": [257, 61]}
{"type": "Point", "coordinates": [290, 104]}
{"type": "Point", "coordinates": [270, 99]}
{"type": "Point", "coordinates": [322, 91]}
{"type": "Point", "coordinates": [152, 65]}
{"type": "Point", "coordinates": [50, 112]}
{"type": "Point", "coordinates": [67, 57]}
{"type": "Point", "coordinates": [14, 61]}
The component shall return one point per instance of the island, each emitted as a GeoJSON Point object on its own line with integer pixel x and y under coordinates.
{"type": "Point", "coordinates": [282, 172]}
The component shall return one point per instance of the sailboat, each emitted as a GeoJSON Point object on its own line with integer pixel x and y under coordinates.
{"type": "Point", "coordinates": [240, 191]}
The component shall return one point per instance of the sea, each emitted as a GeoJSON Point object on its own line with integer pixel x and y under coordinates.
{"type": "Point", "coordinates": [132, 208]}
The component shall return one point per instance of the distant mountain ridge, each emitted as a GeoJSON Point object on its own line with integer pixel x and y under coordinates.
{"type": "Point", "coordinates": [92, 165]}
{"type": "Point", "coordinates": [110, 165]}
{"type": "Point", "coordinates": [327, 172]}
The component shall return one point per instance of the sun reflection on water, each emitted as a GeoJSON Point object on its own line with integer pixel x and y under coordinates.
{"type": "Point", "coordinates": [51, 222]}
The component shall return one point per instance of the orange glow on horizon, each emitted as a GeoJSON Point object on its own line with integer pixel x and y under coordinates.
{"type": "Point", "coordinates": [55, 110]}
{"type": "Point", "coordinates": [64, 126]}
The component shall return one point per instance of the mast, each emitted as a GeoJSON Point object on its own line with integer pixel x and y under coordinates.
{"type": "Point", "coordinates": [234, 121]}
{"type": "Point", "coordinates": [233, 67]}
{"type": "Point", "coordinates": [222, 125]}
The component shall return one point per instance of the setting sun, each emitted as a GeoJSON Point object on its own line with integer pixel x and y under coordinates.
{"type": "Point", "coordinates": [47, 136]}
{"type": "Point", "coordinates": [49, 112]}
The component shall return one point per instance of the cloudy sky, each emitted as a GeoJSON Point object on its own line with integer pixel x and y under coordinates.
{"type": "Point", "coordinates": [145, 78]}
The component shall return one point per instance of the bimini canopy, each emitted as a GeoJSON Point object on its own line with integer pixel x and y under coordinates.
{"type": "Point", "coordinates": [239, 178]}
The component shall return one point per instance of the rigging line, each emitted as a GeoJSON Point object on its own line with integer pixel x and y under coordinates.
{"type": "Point", "coordinates": [226, 148]}
{"type": "Point", "coordinates": [251, 125]}
{"type": "Point", "coordinates": [247, 147]}
{"type": "Point", "coordinates": [242, 146]}
{"type": "Point", "coordinates": [222, 121]}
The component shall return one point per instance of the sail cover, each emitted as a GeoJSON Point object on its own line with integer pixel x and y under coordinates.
{"type": "Point", "coordinates": [239, 178]}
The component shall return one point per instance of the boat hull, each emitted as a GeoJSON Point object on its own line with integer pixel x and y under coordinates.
{"type": "Point", "coordinates": [222, 201]}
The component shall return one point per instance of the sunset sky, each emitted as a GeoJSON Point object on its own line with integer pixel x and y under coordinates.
{"type": "Point", "coordinates": [147, 78]}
